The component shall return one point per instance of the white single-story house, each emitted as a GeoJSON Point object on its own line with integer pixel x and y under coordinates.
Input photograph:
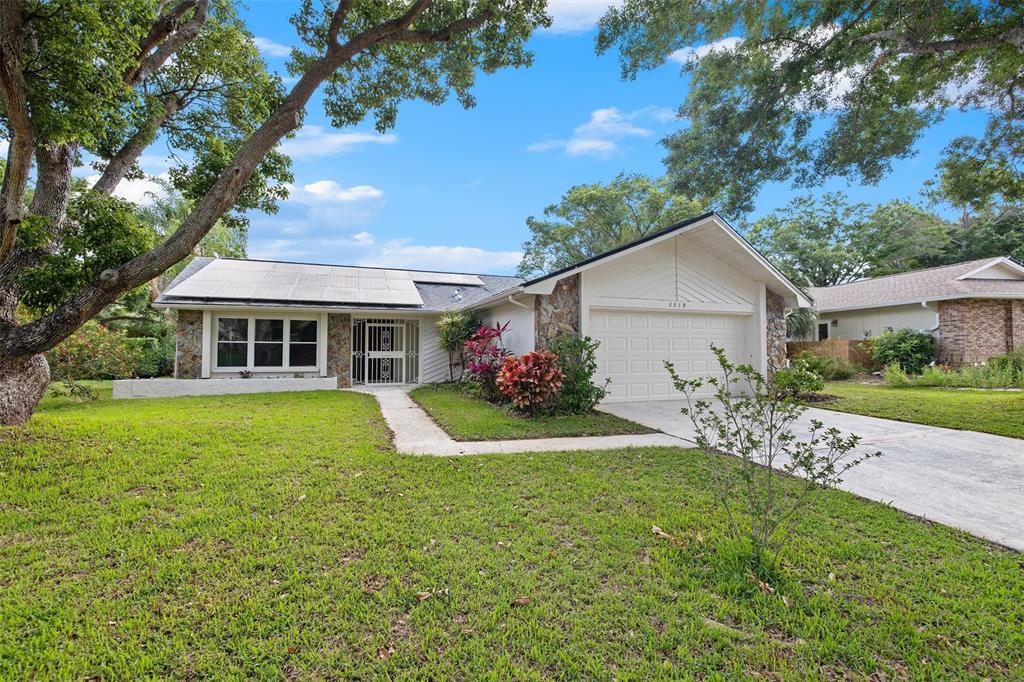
{"type": "Point", "coordinates": [974, 309]}
{"type": "Point", "coordinates": [668, 296]}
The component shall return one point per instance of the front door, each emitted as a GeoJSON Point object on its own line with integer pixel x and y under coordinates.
{"type": "Point", "coordinates": [385, 352]}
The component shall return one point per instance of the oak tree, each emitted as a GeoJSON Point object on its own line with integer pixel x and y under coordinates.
{"type": "Point", "coordinates": [79, 77]}
{"type": "Point", "coordinates": [593, 218]}
{"type": "Point", "coordinates": [805, 90]}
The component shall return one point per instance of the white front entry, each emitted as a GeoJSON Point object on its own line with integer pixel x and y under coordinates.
{"type": "Point", "coordinates": [385, 351]}
{"type": "Point", "coordinates": [635, 345]}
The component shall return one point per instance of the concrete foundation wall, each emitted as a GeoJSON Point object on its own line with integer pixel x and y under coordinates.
{"type": "Point", "coordinates": [169, 388]}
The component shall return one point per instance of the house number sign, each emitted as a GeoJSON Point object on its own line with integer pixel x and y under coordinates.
{"type": "Point", "coordinates": [677, 304]}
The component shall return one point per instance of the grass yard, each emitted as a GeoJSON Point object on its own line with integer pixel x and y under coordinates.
{"type": "Point", "coordinates": [280, 536]}
{"type": "Point", "coordinates": [466, 417]}
{"type": "Point", "coordinates": [998, 412]}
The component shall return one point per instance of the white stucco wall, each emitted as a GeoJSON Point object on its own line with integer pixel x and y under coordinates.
{"type": "Point", "coordinates": [861, 324]}
{"type": "Point", "coordinates": [519, 337]}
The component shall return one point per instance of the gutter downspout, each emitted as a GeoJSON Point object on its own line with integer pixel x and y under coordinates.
{"type": "Point", "coordinates": [924, 304]}
{"type": "Point", "coordinates": [513, 301]}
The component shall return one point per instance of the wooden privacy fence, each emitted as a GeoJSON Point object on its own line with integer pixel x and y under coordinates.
{"type": "Point", "coordinates": [854, 352]}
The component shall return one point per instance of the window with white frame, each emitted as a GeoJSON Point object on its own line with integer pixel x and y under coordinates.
{"type": "Point", "coordinates": [266, 343]}
{"type": "Point", "coordinates": [232, 342]}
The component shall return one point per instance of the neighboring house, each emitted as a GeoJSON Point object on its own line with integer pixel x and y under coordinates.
{"type": "Point", "coordinates": [665, 297]}
{"type": "Point", "coordinates": [975, 309]}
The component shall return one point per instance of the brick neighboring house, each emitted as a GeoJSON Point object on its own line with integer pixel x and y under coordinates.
{"type": "Point", "coordinates": [974, 309]}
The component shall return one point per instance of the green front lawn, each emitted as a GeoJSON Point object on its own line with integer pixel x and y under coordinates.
{"type": "Point", "coordinates": [466, 417]}
{"type": "Point", "coordinates": [280, 536]}
{"type": "Point", "coordinates": [998, 412]}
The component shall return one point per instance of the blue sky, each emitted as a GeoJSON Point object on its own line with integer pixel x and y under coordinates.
{"type": "Point", "coordinates": [450, 188]}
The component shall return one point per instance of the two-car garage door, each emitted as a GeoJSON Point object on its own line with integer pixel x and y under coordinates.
{"type": "Point", "coordinates": [635, 345]}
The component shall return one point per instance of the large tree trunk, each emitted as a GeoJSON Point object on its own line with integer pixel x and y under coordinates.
{"type": "Point", "coordinates": [22, 383]}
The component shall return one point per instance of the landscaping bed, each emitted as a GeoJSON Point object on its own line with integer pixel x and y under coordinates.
{"type": "Point", "coordinates": [990, 411]}
{"type": "Point", "coordinates": [279, 536]}
{"type": "Point", "coordinates": [466, 417]}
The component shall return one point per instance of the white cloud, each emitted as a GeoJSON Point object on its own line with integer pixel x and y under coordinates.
{"type": "Point", "coordinates": [401, 253]}
{"type": "Point", "coordinates": [311, 141]}
{"type": "Point", "coordinates": [4, 147]}
{"type": "Point", "coordinates": [271, 49]}
{"type": "Point", "coordinates": [362, 249]}
{"type": "Point", "coordinates": [599, 136]}
{"type": "Point", "coordinates": [328, 191]}
{"type": "Point", "coordinates": [141, 191]}
{"type": "Point", "coordinates": [575, 16]}
{"type": "Point", "coordinates": [688, 55]}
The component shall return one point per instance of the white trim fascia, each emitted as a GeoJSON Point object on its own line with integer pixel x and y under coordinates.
{"type": "Point", "coordinates": [294, 310]}
{"type": "Point", "coordinates": [912, 301]}
{"type": "Point", "coordinates": [499, 298]}
{"type": "Point", "coordinates": [761, 328]}
{"type": "Point", "coordinates": [1002, 260]}
{"type": "Point", "coordinates": [321, 351]}
{"type": "Point", "coordinates": [206, 357]}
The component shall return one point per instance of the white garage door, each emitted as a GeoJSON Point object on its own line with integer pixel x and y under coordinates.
{"type": "Point", "coordinates": [635, 345]}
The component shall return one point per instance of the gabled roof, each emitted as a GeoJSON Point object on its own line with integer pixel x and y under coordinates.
{"type": "Point", "coordinates": [984, 278]}
{"type": "Point", "coordinates": [230, 281]}
{"type": "Point", "coordinates": [737, 248]}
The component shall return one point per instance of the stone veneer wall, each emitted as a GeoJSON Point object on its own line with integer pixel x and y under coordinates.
{"type": "Point", "coordinates": [558, 313]}
{"type": "Point", "coordinates": [972, 330]}
{"type": "Point", "coordinates": [339, 348]}
{"type": "Point", "coordinates": [775, 330]}
{"type": "Point", "coordinates": [188, 356]}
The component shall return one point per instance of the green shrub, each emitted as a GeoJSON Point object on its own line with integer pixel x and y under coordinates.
{"type": "Point", "coordinates": [908, 348]}
{"type": "Point", "coordinates": [150, 357]}
{"type": "Point", "coordinates": [577, 358]}
{"type": "Point", "coordinates": [999, 372]}
{"type": "Point", "coordinates": [92, 352]}
{"type": "Point", "coordinates": [1011, 363]}
{"type": "Point", "coordinates": [827, 367]}
{"type": "Point", "coordinates": [796, 380]}
{"type": "Point", "coordinates": [895, 376]}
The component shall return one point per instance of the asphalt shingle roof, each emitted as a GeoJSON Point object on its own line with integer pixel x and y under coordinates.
{"type": "Point", "coordinates": [919, 285]}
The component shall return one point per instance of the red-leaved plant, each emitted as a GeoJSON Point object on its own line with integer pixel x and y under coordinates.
{"type": "Point", "coordinates": [485, 352]}
{"type": "Point", "coordinates": [531, 381]}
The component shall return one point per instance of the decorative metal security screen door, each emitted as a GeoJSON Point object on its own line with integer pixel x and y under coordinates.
{"type": "Point", "coordinates": [385, 352]}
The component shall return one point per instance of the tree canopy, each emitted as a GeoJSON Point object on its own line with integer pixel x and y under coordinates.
{"type": "Point", "coordinates": [802, 91]}
{"type": "Point", "coordinates": [829, 240]}
{"type": "Point", "coordinates": [593, 218]}
{"type": "Point", "coordinates": [79, 79]}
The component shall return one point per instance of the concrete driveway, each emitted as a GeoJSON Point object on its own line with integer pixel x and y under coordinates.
{"type": "Point", "coordinates": [973, 481]}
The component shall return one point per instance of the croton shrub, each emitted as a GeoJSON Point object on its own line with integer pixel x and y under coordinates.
{"type": "Point", "coordinates": [531, 381]}
{"type": "Point", "coordinates": [485, 351]}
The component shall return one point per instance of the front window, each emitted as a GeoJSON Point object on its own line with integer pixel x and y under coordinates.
{"type": "Point", "coordinates": [266, 343]}
{"type": "Point", "coordinates": [302, 343]}
{"type": "Point", "coordinates": [232, 342]}
{"type": "Point", "coordinates": [268, 350]}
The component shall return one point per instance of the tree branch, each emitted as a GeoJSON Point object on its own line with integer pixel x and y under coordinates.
{"type": "Point", "coordinates": [15, 101]}
{"type": "Point", "coordinates": [44, 333]}
{"type": "Point", "coordinates": [126, 157]}
{"type": "Point", "coordinates": [909, 44]}
{"type": "Point", "coordinates": [166, 37]}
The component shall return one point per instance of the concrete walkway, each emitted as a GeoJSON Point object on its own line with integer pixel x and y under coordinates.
{"type": "Point", "coordinates": [972, 481]}
{"type": "Point", "coordinates": [415, 433]}
{"type": "Point", "coordinates": [969, 480]}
